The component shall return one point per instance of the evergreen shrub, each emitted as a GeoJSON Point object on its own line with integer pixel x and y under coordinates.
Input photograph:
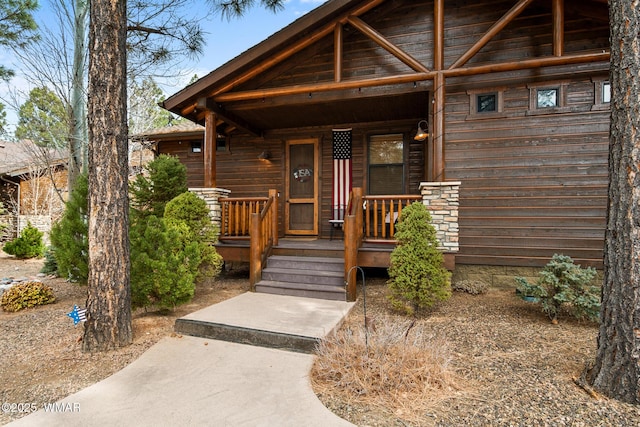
{"type": "Point", "coordinates": [472, 287]}
{"type": "Point", "coordinates": [164, 263]}
{"type": "Point", "coordinates": [564, 284]}
{"type": "Point", "coordinates": [26, 295]}
{"type": "Point", "coordinates": [417, 277]}
{"type": "Point", "coordinates": [166, 178]}
{"type": "Point", "coordinates": [194, 213]}
{"type": "Point", "coordinates": [50, 265]}
{"type": "Point", "coordinates": [28, 245]}
{"type": "Point", "coordinates": [69, 236]}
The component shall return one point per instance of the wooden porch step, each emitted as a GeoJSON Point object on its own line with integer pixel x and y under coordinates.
{"type": "Point", "coordinates": [306, 290]}
{"type": "Point", "coordinates": [304, 276]}
{"type": "Point", "coordinates": [314, 263]}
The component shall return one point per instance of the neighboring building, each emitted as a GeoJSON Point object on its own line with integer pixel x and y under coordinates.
{"type": "Point", "coordinates": [33, 183]}
{"type": "Point", "coordinates": [513, 94]}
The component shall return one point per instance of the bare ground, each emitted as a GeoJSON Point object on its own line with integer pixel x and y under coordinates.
{"type": "Point", "coordinates": [516, 368]}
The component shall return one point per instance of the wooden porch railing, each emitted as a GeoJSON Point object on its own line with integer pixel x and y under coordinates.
{"type": "Point", "coordinates": [264, 236]}
{"type": "Point", "coordinates": [254, 219]}
{"type": "Point", "coordinates": [369, 219]}
{"type": "Point", "coordinates": [236, 214]}
{"type": "Point", "coordinates": [381, 214]}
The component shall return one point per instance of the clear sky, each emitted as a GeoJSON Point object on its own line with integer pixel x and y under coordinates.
{"type": "Point", "coordinates": [225, 39]}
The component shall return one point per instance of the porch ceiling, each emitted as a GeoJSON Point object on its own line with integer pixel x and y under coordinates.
{"type": "Point", "coordinates": [318, 110]}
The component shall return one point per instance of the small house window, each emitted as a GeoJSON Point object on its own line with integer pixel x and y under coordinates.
{"type": "Point", "coordinates": [196, 147]}
{"type": "Point", "coordinates": [486, 103]}
{"type": "Point", "coordinates": [602, 95]}
{"type": "Point", "coordinates": [547, 98]}
{"type": "Point", "coordinates": [386, 164]}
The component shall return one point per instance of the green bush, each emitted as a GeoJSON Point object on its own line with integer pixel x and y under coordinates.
{"type": "Point", "coordinates": [417, 277]}
{"type": "Point", "coordinates": [25, 295]}
{"type": "Point", "coordinates": [28, 245]}
{"type": "Point", "coordinates": [472, 287]}
{"type": "Point", "coordinates": [69, 236]}
{"type": "Point", "coordinates": [563, 283]}
{"type": "Point", "coordinates": [167, 178]}
{"type": "Point", "coordinates": [50, 265]}
{"type": "Point", "coordinates": [164, 263]}
{"type": "Point", "coordinates": [191, 210]}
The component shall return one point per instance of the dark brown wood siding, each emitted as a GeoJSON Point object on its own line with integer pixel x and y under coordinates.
{"type": "Point", "coordinates": [240, 171]}
{"type": "Point", "coordinates": [194, 162]}
{"type": "Point", "coordinates": [532, 184]}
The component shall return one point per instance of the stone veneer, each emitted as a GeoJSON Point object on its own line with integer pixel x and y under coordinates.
{"type": "Point", "coordinates": [442, 200]}
{"type": "Point", "coordinates": [41, 222]}
{"type": "Point", "coordinates": [212, 196]}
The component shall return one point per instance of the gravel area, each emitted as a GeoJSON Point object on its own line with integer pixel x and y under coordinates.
{"type": "Point", "coordinates": [517, 368]}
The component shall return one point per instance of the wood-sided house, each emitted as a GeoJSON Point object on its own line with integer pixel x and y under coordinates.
{"type": "Point", "coordinates": [31, 179]}
{"type": "Point", "coordinates": [512, 95]}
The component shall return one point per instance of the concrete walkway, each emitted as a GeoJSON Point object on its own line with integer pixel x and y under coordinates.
{"type": "Point", "coordinates": [192, 381]}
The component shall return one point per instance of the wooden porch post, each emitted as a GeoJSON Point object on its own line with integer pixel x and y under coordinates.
{"type": "Point", "coordinates": [558, 27]}
{"type": "Point", "coordinates": [438, 128]}
{"type": "Point", "coordinates": [210, 149]}
{"type": "Point", "coordinates": [352, 241]}
{"type": "Point", "coordinates": [435, 167]}
{"type": "Point", "coordinates": [274, 218]}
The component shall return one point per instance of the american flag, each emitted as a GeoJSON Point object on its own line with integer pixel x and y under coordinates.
{"type": "Point", "coordinates": [341, 171]}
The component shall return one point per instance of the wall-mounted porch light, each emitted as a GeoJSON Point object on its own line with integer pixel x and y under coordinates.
{"type": "Point", "coordinates": [422, 134]}
{"type": "Point", "coordinates": [265, 155]}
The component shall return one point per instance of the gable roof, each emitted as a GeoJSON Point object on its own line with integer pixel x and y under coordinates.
{"type": "Point", "coordinates": [256, 92]}
{"type": "Point", "coordinates": [299, 29]}
{"type": "Point", "coordinates": [176, 130]}
{"type": "Point", "coordinates": [19, 158]}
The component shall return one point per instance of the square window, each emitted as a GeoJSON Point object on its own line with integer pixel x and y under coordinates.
{"type": "Point", "coordinates": [547, 98]}
{"type": "Point", "coordinates": [196, 147]}
{"type": "Point", "coordinates": [486, 103]}
{"type": "Point", "coordinates": [606, 92]}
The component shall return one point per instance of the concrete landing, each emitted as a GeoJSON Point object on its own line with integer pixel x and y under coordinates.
{"type": "Point", "coordinates": [266, 320]}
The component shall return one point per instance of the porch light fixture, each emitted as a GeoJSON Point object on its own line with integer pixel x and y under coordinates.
{"type": "Point", "coordinates": [265, 155]}
{"type": "Point", "coordinates": [421, 134]}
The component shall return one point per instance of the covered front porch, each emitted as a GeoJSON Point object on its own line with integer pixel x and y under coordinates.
{"type": "Point", "coordinates": [249, 232]}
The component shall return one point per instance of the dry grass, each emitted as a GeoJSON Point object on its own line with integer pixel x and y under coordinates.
{"type": "Point", "coordinates": [389, 365]}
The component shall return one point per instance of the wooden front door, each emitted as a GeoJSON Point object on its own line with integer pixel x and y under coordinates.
{"type": "Point", "coordinates": [301, 209]}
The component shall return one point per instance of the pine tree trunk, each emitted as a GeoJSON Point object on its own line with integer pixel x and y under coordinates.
{"type": "Point", "coordinates": [616, 372]}
{"type": "Point", "coordinates": [108, 323]}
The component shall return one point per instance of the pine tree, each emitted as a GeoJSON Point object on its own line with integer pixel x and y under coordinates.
{"type": "Point", "coordinates": [167, 178]}
{"type": "Point", "coordinates": [69, 236]}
